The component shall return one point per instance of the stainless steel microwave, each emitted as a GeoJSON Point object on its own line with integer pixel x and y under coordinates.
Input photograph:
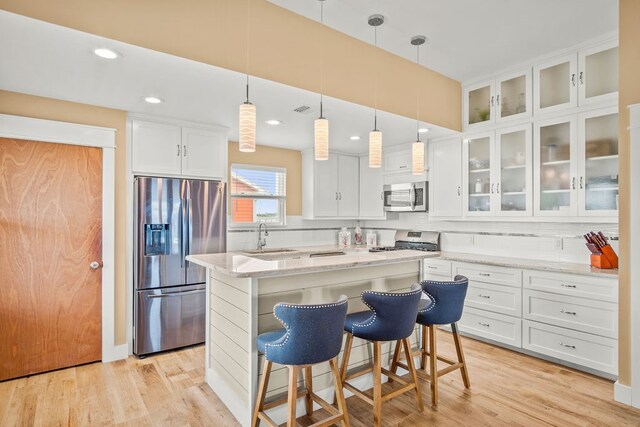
{"type": "Point", "coordinates": [410, 197]}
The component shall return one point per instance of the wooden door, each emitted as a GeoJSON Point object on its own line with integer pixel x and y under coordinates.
{"type": "Point", "coordinates": [50, 232]}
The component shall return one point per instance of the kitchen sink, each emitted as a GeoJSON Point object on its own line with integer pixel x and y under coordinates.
{"type": "Point", "coordinates": [268, 251]}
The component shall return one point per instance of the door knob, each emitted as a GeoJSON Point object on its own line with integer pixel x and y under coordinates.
{"type": "Point", "coordinates": [95, 265]}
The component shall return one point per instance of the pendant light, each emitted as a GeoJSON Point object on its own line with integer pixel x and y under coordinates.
{"type": "Point", "coordinates": [247, 114]}
{"type": "Point", "coordinates": [375, 136]}
{"type": "Point", "coordinates": [417, 149]}
{"type": "Point", "coordinates": [321, 125]}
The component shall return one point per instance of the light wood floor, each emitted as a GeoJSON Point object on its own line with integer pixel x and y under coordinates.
{"type": "Point", "coordinates": [507, 389]}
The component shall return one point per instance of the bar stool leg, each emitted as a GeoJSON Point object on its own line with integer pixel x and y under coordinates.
{"type": "Point", "coordinates": [412, 371]}
{"type": "Point", "coordinates": [262, 392]}
{"type": "Point", "coordinates": [463, 370]}
{"type": "Point", "coordinates": [293, 394]}
{"type": "Point", "coordinates": [308, 381]}
{"type": "Point", "coordinates": [377, 384]}
{"type": "Point", "coordinates": [394, 362]}
{"type": "Point", "coordinates": [345, 362]}
{"type": "Point", "coordinates": [433, 365]}
{"type": "Point", "coordinates": [423, 355]}
{"type": "Point", "coordinates": [342, 404]}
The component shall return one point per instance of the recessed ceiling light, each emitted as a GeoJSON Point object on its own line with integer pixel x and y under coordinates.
{"type": "Point", "coordinates": [354, 138]}
{"type": "Point", "coordinates": [105, 53]}
{"type": "Point", "coordinates": [152, 100]}
{"type": "Point", "coordinates": [273, 122]}
{"type": "Point", "coordinates": [423, 130]}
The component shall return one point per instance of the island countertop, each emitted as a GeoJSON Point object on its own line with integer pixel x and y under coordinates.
{"type": "Point", "coordinates": [298, 260]}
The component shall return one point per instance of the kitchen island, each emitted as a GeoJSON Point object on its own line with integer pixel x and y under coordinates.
{"type": "Point", "coordinates": [242, 289]}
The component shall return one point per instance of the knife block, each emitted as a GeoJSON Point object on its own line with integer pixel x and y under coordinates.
{"type": "Point", "coordinates": [607, 259]}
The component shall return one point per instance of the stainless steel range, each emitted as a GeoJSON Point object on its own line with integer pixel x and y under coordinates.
{"type": "Point", "coordinates": [428, 241]}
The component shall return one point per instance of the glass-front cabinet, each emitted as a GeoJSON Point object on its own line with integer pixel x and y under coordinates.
{"type": "Point", "coordinates": [555, 167]}
{"type": "Point", "coordinates": [498, 172]}
{"type": "Point", "coordinates": [555, 84]}
{"type": "Point", "coordinates": [504, 99]}
{"type": "Point", "coordinates": [598, 148]}
{"type": "Point", "coordinates": [598, 74]}
{"type": "Point", "coordinates": [478, 152]}
{"type": "Point", "coordinates": [479, 102]}
{"type": "Point", "coordinates": [513, 171]}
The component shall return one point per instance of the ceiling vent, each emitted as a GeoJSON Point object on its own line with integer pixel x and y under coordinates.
{"type": "Point", "coordinates": [303, 109]}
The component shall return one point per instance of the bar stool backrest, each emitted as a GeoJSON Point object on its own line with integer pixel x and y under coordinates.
{"type": "Point", "coordinates": [393, 315]}
{"type": "Point", "coordinates": [447, 301]}
{"type": "Point", "coordinates": [313, 332]}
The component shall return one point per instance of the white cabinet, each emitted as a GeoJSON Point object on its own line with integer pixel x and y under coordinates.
{"type": "Point", "coordinates": [445, 178]}
{"type": "Point", "coordinates": [156, 148]}
{"type": "Point", "coordinates": [587, 77]}
{"type": "Point", "coordinates": [576, 164]}
{"type": "Point", "coordinates": [166, 149]}
{"type": "Point", "coordinates": [397, 161]}
{"type": "Point", "coordinates": [330, 187]}
{"type": "Point", "coordinates": [496, 101]}
{"type": "Point", "coordinates": [348, 186]}
{"type": "Point", "coordinates": [371, 194]}
{"type": "Point", "coordinates": [204, 153]}
{"type": "Point", "coordinates": [436, 269]}
{"type": "Point", "coordinates": [497, 172]}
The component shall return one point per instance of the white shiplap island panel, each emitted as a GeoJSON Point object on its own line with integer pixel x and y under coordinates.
{"type": "Point", "coordinates": [240, 306]}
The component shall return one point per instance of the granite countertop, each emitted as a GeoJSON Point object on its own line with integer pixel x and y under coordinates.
{"type": "Point", "coordinates": [298, 261]}
{"type": "Point", "coordinates": [529, 264]}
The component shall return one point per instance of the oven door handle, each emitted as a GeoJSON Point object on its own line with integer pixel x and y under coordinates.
{"type": "Point", "coordinates": [412, 197]}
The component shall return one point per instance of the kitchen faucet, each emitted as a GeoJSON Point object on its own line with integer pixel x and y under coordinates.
{"type": "Point", "coordinates": [262, 242]}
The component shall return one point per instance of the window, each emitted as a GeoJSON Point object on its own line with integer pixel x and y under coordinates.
{"type": "Point", "coordinates": [258, 194]}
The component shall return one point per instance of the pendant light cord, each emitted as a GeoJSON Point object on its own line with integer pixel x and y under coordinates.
{"type": "Point", "coordinates": [248, 43]}
{"type": "Point", "coordinates": [321, 55]}
{"type": "Point", "coordinates": [418, 97]}
{"type": "Point", "coordinates": [375, 86]}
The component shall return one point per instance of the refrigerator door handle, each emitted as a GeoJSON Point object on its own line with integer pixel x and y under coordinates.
{"type": "Point", "coordinates": [176, 294]}
{"type": "Point", "coordinates": [183, 236]}
{"type": "Point", "coordinates": [187, 242]}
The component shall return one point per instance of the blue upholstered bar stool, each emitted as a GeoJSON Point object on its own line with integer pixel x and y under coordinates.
{"type": "Point", "coordinates": [447, 302]}
{"type": "Point", "coordinates": [392, 317]}
{"type": "Point", "coordinates": [312, 334]}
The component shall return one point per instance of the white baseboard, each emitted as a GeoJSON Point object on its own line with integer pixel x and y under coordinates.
{"type": "Point", "coordinates": [622, 393]}
{"type": "Point", "coordinates": [117, 352]}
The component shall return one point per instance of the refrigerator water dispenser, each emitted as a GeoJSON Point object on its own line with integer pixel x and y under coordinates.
{"type": "Point", "coordinates": [156, 239]}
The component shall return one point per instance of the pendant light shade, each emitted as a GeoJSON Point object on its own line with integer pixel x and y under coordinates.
{"type": "Point", "coordinates": [375, 149]}
{"type": "Point", "coordinates": [247, 134]}
{"type": "Point", "coordinates": [321, 128]}
{"type": "Point", "coordinates": [417, 157]}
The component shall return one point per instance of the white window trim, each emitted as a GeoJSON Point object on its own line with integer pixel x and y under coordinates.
{"type": "Point", "coordinates": [282, 199]}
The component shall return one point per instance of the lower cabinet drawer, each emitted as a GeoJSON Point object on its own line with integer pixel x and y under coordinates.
{"type": "Point", "coordinates": [497, 298]}
{"type": "Point", "coordinates": [586, 315]}
{"type": "Point", "coordinates": [493, 326]}
{"type": "Point", "coordinates": [587, 350]}
{"type": "Point", "coordinates": [436, 269]}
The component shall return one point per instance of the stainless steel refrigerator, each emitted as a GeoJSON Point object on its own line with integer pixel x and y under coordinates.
{"type": "Point", "coordinates": [174, 217]}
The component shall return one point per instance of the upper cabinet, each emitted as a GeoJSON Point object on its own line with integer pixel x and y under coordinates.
{"type": "Point", "coordinates": [371, 194]}
{"type": "Point", "coordinates": [579, 79]}
{"type": "Point", "coordinates": [497, 101]}
{"type": "Point", "coordinates": [330, 188]}
{"type": "Point", "coordinates": [497, 172]}
{"type": "Point", "coordinates": [576, 164]}
{"type": "Point", "coordinates": [166, 149]}
{"type": "Point", "coordinates": [445, 178]}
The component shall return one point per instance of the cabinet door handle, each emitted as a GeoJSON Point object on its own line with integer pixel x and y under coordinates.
{"type": "Point", "coordinates": [484, 274]}
{"type": "Point", "coordinates": [570, 313]}
{"type": "Point", "coordinates": [336, 195]}
{"type": "Point", "coordinates": [498, 188]}
{"type": "Point", "coordinates": [581, 179]}
{"type": "Point", "coordinates": [432, 267]}
{"type": "Point", "coordinates": [573, 183]}
{"type": "Point", "coordinates": [184, 150]}
{"type": "Point", "coordinates": [573, 79]}
{"type": "Point", "coordinates": [403, 167]}
{"type": "Point", "coordinates": [340, 196]}
{"type": "Point", "coordinates": [492, 101]}
{"type": "Point", "coordinates": [484, 296]}
{"type": "Point", "coordinates": [178, 150]}
{"type": "Point", "coordinates": [581, 78]}
{"type": "Point", "coordinates": [568, 286]}
{"type": "Point", "coordinates": [458, 190]}
{"type": "Point", "coordinates": [486, 325]}
{"type": "Point", "coordinates": [497, 100]}
{"type": "Point", "coordinates": [567, 345]}
{"type": "Point", "coordinates": [382, 195]}
{"type": "Point", "coordinates": [492, 187]}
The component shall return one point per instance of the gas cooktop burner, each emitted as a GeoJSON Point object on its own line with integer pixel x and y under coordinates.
{"type": "Point", "coordinates": [426, 241]}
